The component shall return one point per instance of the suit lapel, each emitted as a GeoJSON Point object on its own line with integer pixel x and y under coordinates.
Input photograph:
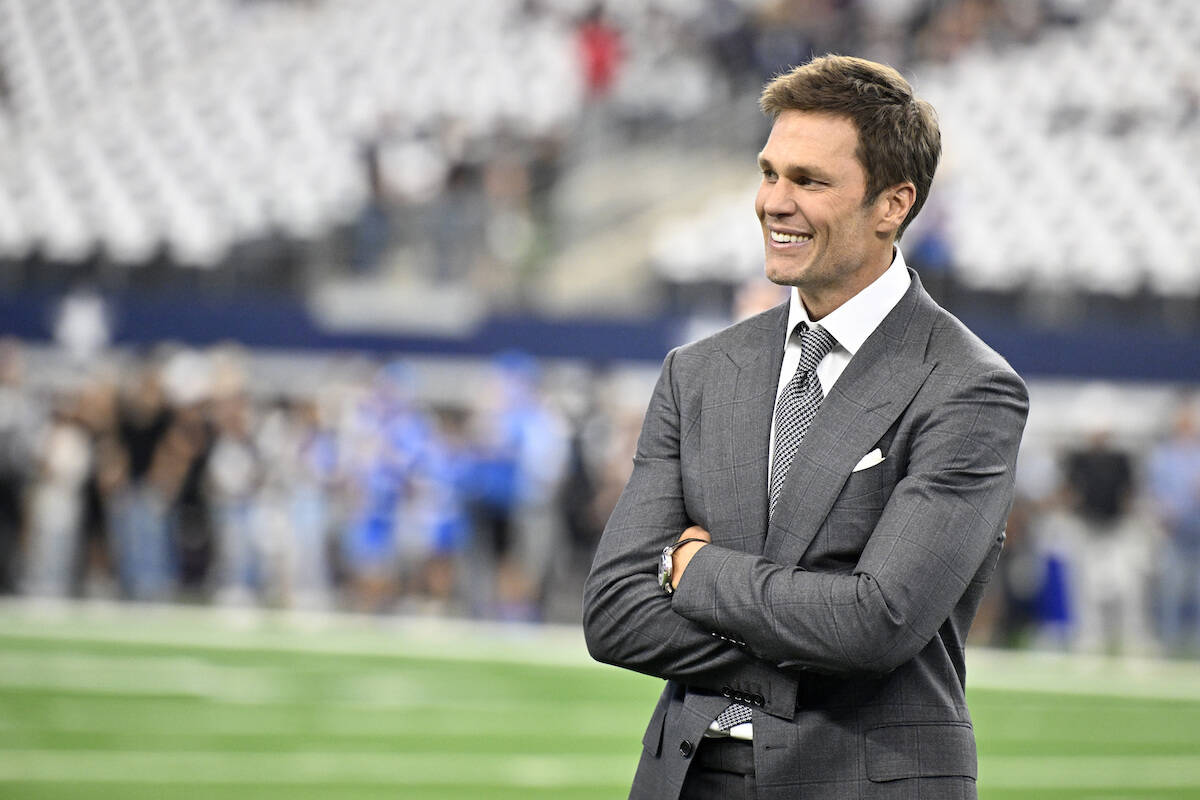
{"type": "Point", "coordinates": [739, 403]}
{"type": "Point", "coordinates": [872, 392]}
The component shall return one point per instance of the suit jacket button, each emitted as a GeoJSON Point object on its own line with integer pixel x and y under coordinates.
{"type": "Point", "coordinates": [685, 748]}
{"type": "Point", "coordinates": [758, 700]}
{"type": "Point", "coordinates": [727, 692]}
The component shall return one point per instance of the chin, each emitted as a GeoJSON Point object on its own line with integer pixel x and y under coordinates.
{"type": "Point", "coordinates": [784, 275]}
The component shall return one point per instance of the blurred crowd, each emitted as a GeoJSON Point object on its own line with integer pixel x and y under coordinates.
{"type": "Point", "coordinates": [1103, 551]}
{"type": "Point", "coordinates": [175, 478]}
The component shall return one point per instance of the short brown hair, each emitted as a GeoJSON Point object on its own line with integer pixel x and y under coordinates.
{"type": "Point", "coordinates": [898, 136]}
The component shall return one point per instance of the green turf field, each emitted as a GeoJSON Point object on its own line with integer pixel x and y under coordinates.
{"type": "Point", "coordinates": [120, 702]}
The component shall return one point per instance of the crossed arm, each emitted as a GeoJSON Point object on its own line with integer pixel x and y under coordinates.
{"type": "Point", "coordinates": [628, 620]}
{"type": "Point", "coordinates": [936, 529]}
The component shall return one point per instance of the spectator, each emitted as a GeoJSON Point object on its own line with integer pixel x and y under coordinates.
{"type": "Point", "coordinates": [1110, 591]}
{"type": "Point", "coordinates": [525, 459]}
{"type": "Point", "coordinates": [600, 51]}
{"type": "Point", "coordinates": [233, 476]}
{"type": "Point", "coordinates": [388, 438]}
{"type": "Point", "coordinates": [1173, 483]}
{"type": "Point", "coordinates": [439, 509]}
{"type": "Point", "coordinates": [98, 416]}
{"type": "Point", "coordinates": [299, 456]}
{"type": "Point", "coordinates": [17, 426]}
{"type": "Point", "coordinates": [177, 472]}
{"type": "Point", "coordinates": [137, 507]}
{"type": "Point", "coordinates": [56, 506]}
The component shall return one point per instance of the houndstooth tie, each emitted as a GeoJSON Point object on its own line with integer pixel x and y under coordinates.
{"type": "Point", "coordinates": [797, 405]}
{"type": "Point", "coordinates": [794, 412]}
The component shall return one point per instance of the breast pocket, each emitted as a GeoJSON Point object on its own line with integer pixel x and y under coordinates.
{"type": "Point", "coordinates": [867, 489]}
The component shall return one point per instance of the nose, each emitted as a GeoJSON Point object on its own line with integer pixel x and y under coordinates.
{"type": "Point", "coordinates": [777, 201]}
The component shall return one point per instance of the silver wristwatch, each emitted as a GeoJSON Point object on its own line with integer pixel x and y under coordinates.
{"type": "Point", "coordinates": [665, 564]}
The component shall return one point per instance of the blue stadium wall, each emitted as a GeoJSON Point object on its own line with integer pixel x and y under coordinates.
{"type": "Point", "coordinates": [1149, 351]}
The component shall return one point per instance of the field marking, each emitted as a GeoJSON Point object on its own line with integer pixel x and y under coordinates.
{"type": "Point", "coordinates": [135, 675]}
{"type": "Point", "coordinates": [203, 767]}
{"type": "Point", "coordinates": [528, 770]}
{"type": "Point", "coordinates": [1082, 674]}
{"type": "Point", "coordinates": [382, 690]}
{"type": "Point", "coordinates": [598, 723]}
{"type": "Point", "coordinates": [1089, 772]}
{"type": "Point", "coordinates": [295, 632]}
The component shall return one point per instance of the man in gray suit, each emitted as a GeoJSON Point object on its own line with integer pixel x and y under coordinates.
{"type": "Point", "coordinates": [819, 493]}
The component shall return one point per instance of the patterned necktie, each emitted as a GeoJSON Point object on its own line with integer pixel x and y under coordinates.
{"type": "Point", "coordinates": [794, 411]}
{"type": "Point", "coordinates": [797, 405]}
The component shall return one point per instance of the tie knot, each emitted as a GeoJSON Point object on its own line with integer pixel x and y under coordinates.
{"type": "Point", "coordinates": [815, 344]}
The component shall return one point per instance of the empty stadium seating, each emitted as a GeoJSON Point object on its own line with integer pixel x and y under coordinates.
{"type": "Point", "coordinates": [134, 124]}
{"type": "Point", "coordinates": [131, 126]}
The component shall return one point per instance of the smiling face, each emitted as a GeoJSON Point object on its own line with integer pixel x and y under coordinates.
{"type": "Point", "coordinates": [820, 234]}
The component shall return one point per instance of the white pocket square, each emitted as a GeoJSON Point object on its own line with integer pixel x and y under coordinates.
{"type": "Point", "coordinates": [869, 460]}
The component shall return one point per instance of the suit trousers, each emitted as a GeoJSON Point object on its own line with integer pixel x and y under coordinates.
{"type": "Point", "coordinates": [722, 769]}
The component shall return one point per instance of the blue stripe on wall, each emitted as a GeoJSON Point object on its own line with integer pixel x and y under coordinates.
{"type": "Point", "coordinates": [1148, 352]}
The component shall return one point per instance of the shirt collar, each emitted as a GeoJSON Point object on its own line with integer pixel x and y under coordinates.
{"type": "Point", "coordinates": [857, 318]}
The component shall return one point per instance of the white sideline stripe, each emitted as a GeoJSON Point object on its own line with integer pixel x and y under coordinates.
{"type": "Point", "coordinates": [473, 641]}
{"type": "Point", "coordinates": [138, 675]}
{"type": "Point", "coordinates": [135, 675]}
{"type": "Point", "coordinates": [598, 723]}
{"type": "Point", "coordinates": [545, 770]}
{"type": "Point", "coordinates": [1089, 772]}
{"type": "Point", "coordinates": [1081, 674]}
{"type": "Point", "coordinates": [295, 631]}
{"type": "Point", "coordinates": [198, 767]}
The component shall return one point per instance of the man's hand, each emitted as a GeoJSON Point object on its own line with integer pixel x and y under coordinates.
{"type": "Point", "coordinates": [681, 557]}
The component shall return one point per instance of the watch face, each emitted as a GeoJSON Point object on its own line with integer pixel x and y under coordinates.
{"type": "Point", "coordinates": [664, 570]}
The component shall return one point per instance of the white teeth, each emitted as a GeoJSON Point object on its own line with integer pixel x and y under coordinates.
{"type": "Point", "coordinates": [786, 238]}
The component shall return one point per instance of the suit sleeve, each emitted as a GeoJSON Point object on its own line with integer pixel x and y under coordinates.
{"type": "Point", "coordinates": [934, 533]}
{"type": "Point", "coordinates": [628, 620]}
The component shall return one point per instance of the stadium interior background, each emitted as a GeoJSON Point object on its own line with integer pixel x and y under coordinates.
{"type": "Point", "coordinates": [356, 306]}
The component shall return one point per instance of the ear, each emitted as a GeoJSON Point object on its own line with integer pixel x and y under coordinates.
{"type": "Point", "coordinates": [893, 205]}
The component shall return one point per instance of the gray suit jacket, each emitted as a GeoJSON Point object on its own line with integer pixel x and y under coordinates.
{"type": "Point", "coordinates": [842, 622]}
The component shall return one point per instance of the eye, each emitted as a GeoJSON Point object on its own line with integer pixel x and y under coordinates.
{"type": "Point", "coordinates": [769, 175]}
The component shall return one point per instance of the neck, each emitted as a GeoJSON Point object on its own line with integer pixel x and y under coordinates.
{"type": "Point", "coordinates": [820, 301]}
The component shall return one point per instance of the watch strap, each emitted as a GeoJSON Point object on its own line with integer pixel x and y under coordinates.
{"type": "Point", "coordinates": [671, 548]}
